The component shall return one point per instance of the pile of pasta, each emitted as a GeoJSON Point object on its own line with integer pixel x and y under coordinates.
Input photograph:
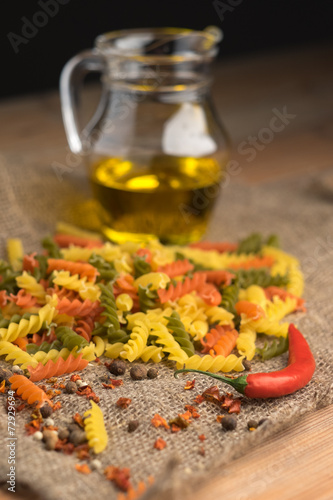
{"type": "Point", "coordinates": [201, 306]}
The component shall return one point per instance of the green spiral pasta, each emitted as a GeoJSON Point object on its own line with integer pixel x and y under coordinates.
{"type": "Point", "coordinates": [260, 277]}
{"type": "Point", "coordinates": [53, 249]}
{"type": "Point", "coordinates": [230, 297]}
{"type": "Point", "coordinates": [251, 244]}
{"type": "Point", "coordinates": [8, 277]}
{"type": "Point", "coordinates": [180, 334]}
{"type": "Point", "coordinates": [44, 347]}
{"type": "Point", "coordinates": [147, 298]}
{"type": "Point", "coordinates": [141, 266]}
{"type": "Point", "coordinates": [69, 338]}
{"type": "Point", "coordinates": [273, 349]}
{"type": "Point", "coordinates": [169, 345]}
{"type": "Point", "coordinates": [107, 271]}
{"type": "Point", "coordinates": [273, 241]}
{"type": "Point", "coordinates": [40, 272]}
{"type": "Point", "coordinates": [111, 326]}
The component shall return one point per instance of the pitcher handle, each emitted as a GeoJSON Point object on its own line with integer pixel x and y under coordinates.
{"type": "Point", "coordinates": [71, 77]}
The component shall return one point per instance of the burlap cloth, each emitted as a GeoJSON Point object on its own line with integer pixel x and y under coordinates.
{"type": "Point", "coordinates": [31, 200]}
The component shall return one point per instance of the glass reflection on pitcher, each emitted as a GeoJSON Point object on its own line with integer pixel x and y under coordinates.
{"type": "Point", "coordinates": [155, 148]}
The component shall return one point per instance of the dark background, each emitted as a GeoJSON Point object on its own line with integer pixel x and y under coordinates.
{"type": "Point", "coordinates": [249, 26]}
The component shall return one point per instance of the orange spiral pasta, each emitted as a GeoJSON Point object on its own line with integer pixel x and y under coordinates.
{"type": "Point", "coordinates": [218, 277]}
{"type": "Point", "coordinates": [65, 240]}
{"type": "Point", "coordinates": [177, 268]}
{"type": "Point", "coordinates": [21, 342]}
{"type": "Point", "coordinates": [144, 252]}
{"type": "Point", "coordinates": [218, 246]}
{"type": "Point", "coordinates": [23, 299]}
{"type": "Point", "coordinates": [62, 293]}
{"type": "Point", "coordinates": [59, 367]}
{"type": "Point", "coordinates": [28, 391]}
{"type": "Point", "coordinates": [77, 307]}
{"type": "Point", "coordinates": [225, 344]}
{"type": "Point", "coordinates": [210, 294]}
{"type": "Point", "coordinates": [251, 310]}
{"type": "Point", "coordinates": [3, 298]}
{"type": "Point", "coordinates": [84, 327]}
{"type": "Point", "coordinates": [82, 268]}
{"type": "Point", "coordinates": [253, 263]}
{"type": "Point", "coordinates": [273, 291]}
{"type": "Point", "coordinates": [182, 288]}
{"type": "Point", "coordinates": [45, 337]}
{"type": "Point", "coordinates": [212, 337]}
{"type": "Point", "coordinates": [29, 262]}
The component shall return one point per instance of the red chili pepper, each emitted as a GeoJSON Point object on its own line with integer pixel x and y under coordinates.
{"type": "Point", "coordinates": [301, 366]}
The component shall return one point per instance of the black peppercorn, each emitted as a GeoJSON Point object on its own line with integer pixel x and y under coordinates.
{"type": "Point", "coordinates": [229, 423]}
{"type": "Point", "coordinates": [117, 367]}
{"type": "Point", "coordinates": [252, 424]}
{"type": "Point", "coordinates": [262, 421]}
{"type": "Point", "coordinates": [46, 410]}
{"type": "Point", "coordinates": [133, 425]}
{"type": "Point", "coordinates": [152, 373]}
{"type": "Point", "coordinates": [138, 372]}
{"type": "Point", "coordinates": [247, 365]}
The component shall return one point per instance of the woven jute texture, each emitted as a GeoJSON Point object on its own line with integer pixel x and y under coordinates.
{"type": "Point", "coordinates": [32, 198]}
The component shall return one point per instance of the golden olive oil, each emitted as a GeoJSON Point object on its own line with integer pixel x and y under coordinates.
{"type": "Point", "coordinates": [170, 197]}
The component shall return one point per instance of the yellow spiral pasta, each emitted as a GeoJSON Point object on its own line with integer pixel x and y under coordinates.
{"type": "Point", "coordinates": [153, 353]}
{"type": "Point", "coordinates": [169, 344]}
{"type": "Point", "coordinates": [264, 325]}
{"type": "Point", "coordinates": [16, 355]}
{"type": "Point", "coordinates": [278, 308]}
{"type": "Point", "coordinates": [31, 325]}
{"type": "Point", "coordinates": [99, 345]}
{"type": "Point", "coordinates": [113, 350]}
{"type": "Point", "coordinates": [209, 364]}
{"type": "Point", "coordinates": [155, 280]}
{"type": "Point", "coordinates": [255, 294]}
{"type": "Point", "coordinates": [108, 251]}
{"type": "Point", "coordinates": [15, 253]}
{"type": "Point", "coordinates": [86, 289]}
{"type": "Point", "coordinates": [197, 329]}
{"type": "Point", "coordinates": [53, 354]}
{"type": "Point", "coordinates": [30, 285]}
{"type": "Point", "coordinates": [123, 264]}
{"type": "Point", "coordinates": [211, 258]}
{"type": "Point", "coordinates": [219, 315]}
{"type": "Point", "coordinates": [296, 281]}
{"type": "Point", "coordinates": [124, 302]}
{"type": "Point", "coordinates": [95, 428]}
{"type": "Point", "coordinates": [138, 340]}
{"type": "Point", "coordinates": [246, 342]}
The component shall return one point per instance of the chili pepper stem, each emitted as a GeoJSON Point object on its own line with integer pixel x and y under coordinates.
{"type": "Point", "coordinates": [238, 383]}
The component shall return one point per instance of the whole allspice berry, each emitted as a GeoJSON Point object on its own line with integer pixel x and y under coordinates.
{"type": "Point", "coordinates": [117, 367]}
{"type": "Point", "coordinates": [138, 372]}
{"type": "Point", "coordinates": [229, 423]}
{"type": "Point", "coordinates": [71, 387]}
{"type": "Point", "coordinates": [77, 437]}
{"type": "Point", "coordinates": [152, 372]}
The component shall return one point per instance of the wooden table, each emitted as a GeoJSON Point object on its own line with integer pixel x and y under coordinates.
{"type": "Point", "coordinates": [298, 462]}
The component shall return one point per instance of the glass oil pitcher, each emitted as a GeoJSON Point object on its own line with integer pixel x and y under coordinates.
{"type": "Point", "coordinates": [155, 149]}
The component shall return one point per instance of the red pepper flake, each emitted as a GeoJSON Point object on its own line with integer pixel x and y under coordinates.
{"type": "Point", "coordinates": [51, 428]}
{"type": "Point", "coordinates": [20, 407]}
{"type": "Point", "coordinates": [189, 385]}
{"type": "Point", "coordinates": [78, 419]}
{"type": "Point", "coordinates": [160, 444]}
{"type": "Point", "coordinates": [180, 422]}
{"type": "Point", "coordinates": [83, 469]}
{"type": "Point", "coordinates": [88, 393]}
{"type": "Point", "coordinates": [2, 386]}
{"type": "Point", "coordinates": [192, 410]}
{"type": "Point", "coordinates": [231, 404]}
{"type": "Point", "coordinates": [82, 452]}
{"type": "Point", "coordinates": [57, 406]}
{"type": "Point", "coordinates": [113, 384]}
{"type": "Point", "coordinates": [75, 377]}
{"type": "Point", "coordinates": [202, 451]}
{"type": "Point", "coordinates": [175, 428]}
{"type": "Point", "coordinates": [64, 446]}
{"type": "Point", "coordinates": [32, 427]}
{"type": "Point", "coordinates": [59, 386]}
{"type": "Point", "coordinates": [121, 477]}
{"type": "Point", "coordinates": [97, 360]}
{"type": "Point", "coordinates": [123, 403]}
{"type": "Point", "coordinates": [202, 437]}
{"type": "Point", "coordinates": [199, 399]}
{"type": "Point", "coordinates": [212, 394]}
{"type": "Point", "coordinates": [186, 416]}
{"type": "Point", "coordinates": [219, 418]}
{"type": "Point", "coordinates": [159, 421]}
